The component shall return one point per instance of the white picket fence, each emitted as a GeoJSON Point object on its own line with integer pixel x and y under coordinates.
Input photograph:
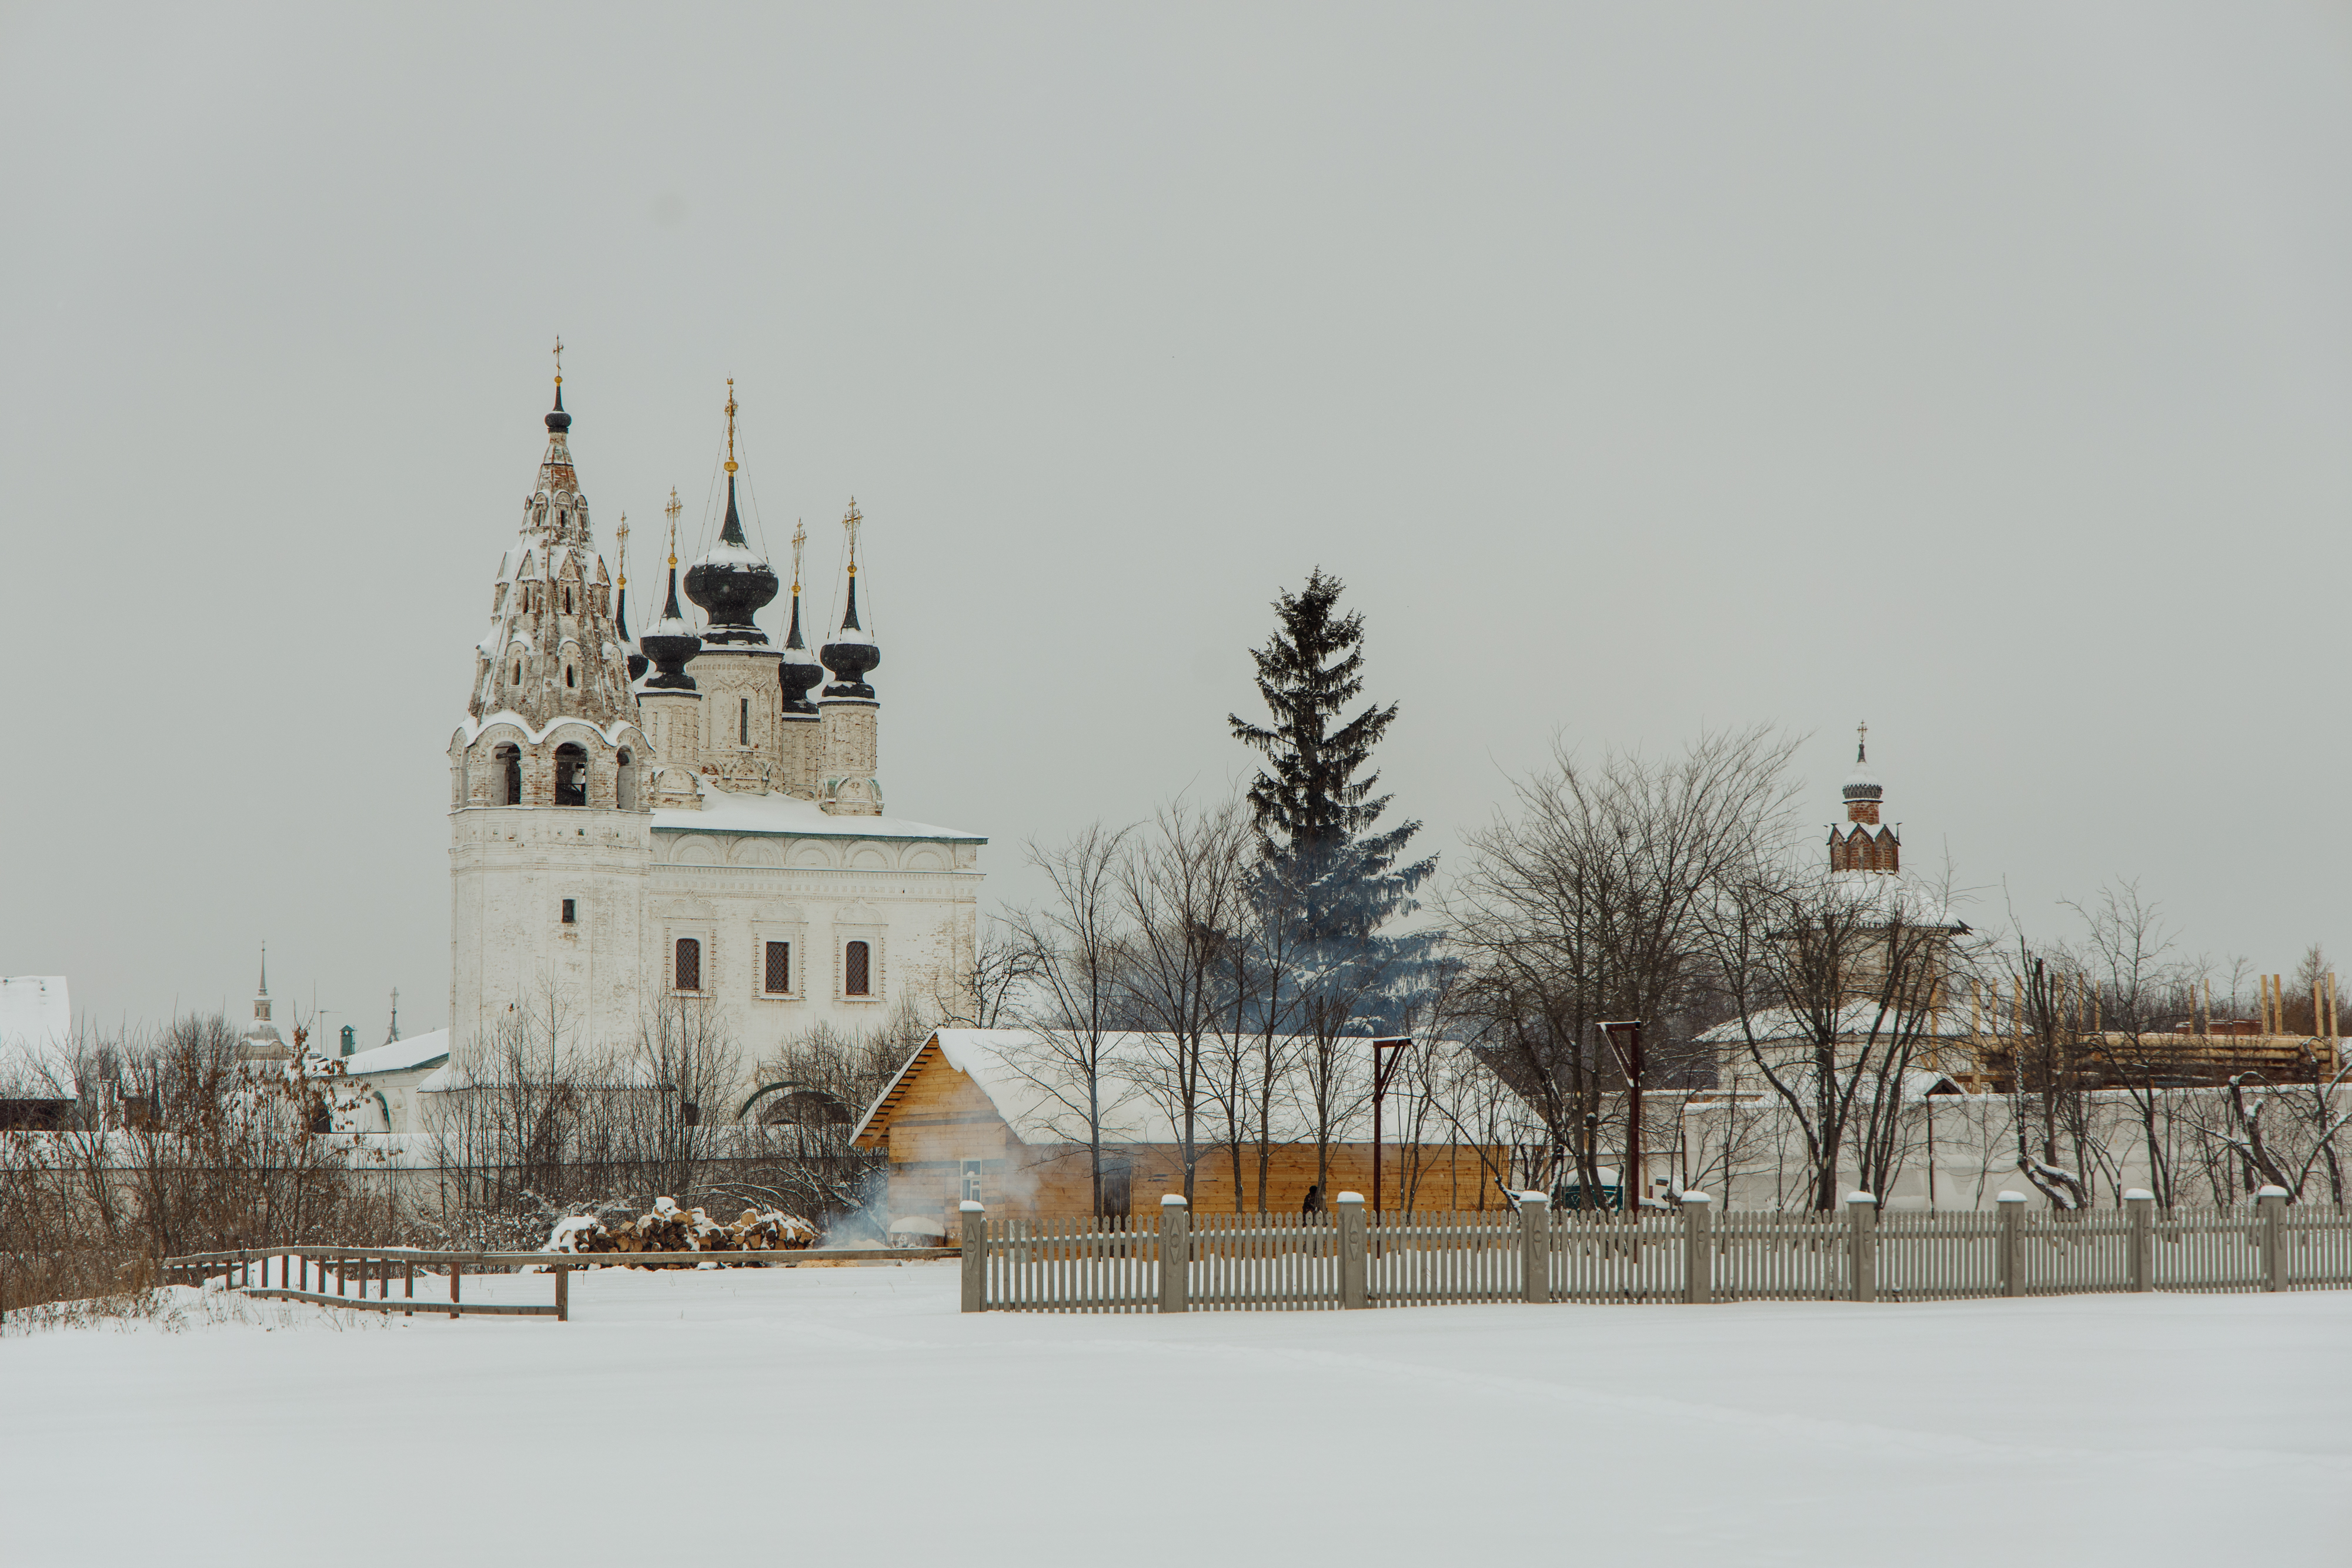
{"type": "Point", "coordinates": [1243, 1262]}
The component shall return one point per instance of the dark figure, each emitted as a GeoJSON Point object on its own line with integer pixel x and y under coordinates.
{"type": "Point", "coordinates": [1314, 1204]}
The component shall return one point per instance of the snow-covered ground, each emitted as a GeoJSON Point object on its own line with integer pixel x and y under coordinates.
{"type": "Point", "coordinates": [851, 1416]}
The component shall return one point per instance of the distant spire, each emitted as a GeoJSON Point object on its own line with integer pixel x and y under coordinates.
{"type": "Point", "coordinates": [395, 1017]}
{"type": "Point", "coordinates": [264, 968]}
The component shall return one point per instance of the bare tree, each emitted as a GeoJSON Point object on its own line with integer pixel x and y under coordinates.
{"type": "Point", "coordinates": [1075, 948]}
{"type": "Point", "coordinates": [1182, 882]}
{"type": "Point", "coordinates": [1593, 902]}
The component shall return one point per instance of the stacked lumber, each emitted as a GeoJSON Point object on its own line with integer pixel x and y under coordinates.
{"type": "Point", "coordinates": [665, 1227]}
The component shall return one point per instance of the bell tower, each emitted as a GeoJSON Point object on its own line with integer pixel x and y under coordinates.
{"type": "Point", "coordinates": [736, 670]}
{"type": "Point", "coordinates": [1865, 844]}
{"type": "Point", "coordinates": [848, 716]}
{"type": "Point", "coordinates": [550, 834]}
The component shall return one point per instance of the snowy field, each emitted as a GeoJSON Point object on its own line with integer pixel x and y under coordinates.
{"type": "Point", "coordinates": [851, 1416]}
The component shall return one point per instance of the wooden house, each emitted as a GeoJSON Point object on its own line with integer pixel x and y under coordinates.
{"type": "Point", "coordinates": [1001, 1115]}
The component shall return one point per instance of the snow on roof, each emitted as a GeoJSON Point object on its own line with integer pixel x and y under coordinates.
{"type": "Point", "coordinates": [1043, 1095]}
{"type": "Point", "coordinates": [399, 1055]}
{"type": "Point", "coordinates": [1856, 1020]}
{"type": "Point", "coordinates": [724, 811]}
{"type": "Point", "coordinates": [36, 1037]}
{"type": "Point", "coordinates": [616, 734]}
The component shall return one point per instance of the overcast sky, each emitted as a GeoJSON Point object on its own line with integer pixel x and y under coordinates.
{"type": "Point", "coordinates": [1983, 371]}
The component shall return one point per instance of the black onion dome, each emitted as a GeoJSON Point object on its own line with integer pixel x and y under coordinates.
{"type": "Point", "coordinates": [558, 422]}
{"type": "Point", "coordinates": [731, 583]}
{"type": "Point", "coordinates": [851, 655]}
{"type": "Point", "coordinates": [800, 670]}
{"type": "Point", "coordinates": [670, 644]}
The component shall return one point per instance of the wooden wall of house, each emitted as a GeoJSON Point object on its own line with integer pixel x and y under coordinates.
{"type": "Point", "coordinates": [943, 1120]}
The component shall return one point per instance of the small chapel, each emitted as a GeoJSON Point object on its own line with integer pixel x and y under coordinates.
{"type": "Point", "coordinates": [674, 818]}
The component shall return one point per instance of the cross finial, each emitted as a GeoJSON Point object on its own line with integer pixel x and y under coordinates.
{"type": "Point", "coordinates": [621, 537]}
{"type": "Point", "coordinates": [850, 521]}
{"type": "Point", "coordinates": [1862, 742]}
{"type": "Point", "coordinates": [674, 508]}
{"type": "Point", "coordinates": [559, 359]}
{"type": "Point", "coordinates": [730, 424]}
{"type": "Point", "coordinates": [800, 541]}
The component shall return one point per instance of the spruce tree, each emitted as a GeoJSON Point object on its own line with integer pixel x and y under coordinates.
{"type": "Point", "coordinates": [1313, 801]}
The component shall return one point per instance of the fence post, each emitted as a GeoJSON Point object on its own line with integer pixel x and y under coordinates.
{"type": "Point", "coordinates": [563, 1295]}
{"type": "Point", "coordinates": [975, 1216]}
{"type": "Point", "coordinates": [457, 1274]}
{"type": "Point", "coordinates": [1862, 1260]}
{"type": "Point", "coordinates": [2140, 1204]}
{"type": "Point", "coordinates": [2271, 1203]}
{"type": "Point", "coordinates": [1355, 1252]}
{"type": "Point", "coordinates": [1698, 1248]}
{"type": "Point", "coordinates": [1175, 1253]}
{"type": "Point", "coordinates": [2012, 1244]}
{"type": "Point", "coordinates": [1535, 1247]}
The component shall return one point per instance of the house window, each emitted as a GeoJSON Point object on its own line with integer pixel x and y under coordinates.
{"type": "Point", "coordinates": [858, 971]}
{"type": "Point", "coordinates": [972, 1181]}
{"type": "Point", "coordinates": [780, 968]}
{"type": "Point", "coordinates": [687, 973]}
{"type": "Point", "coordinates": [568, 913]}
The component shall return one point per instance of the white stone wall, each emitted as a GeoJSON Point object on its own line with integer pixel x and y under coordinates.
{"type": "Point", "coordinates": [510, 868]}
{"type": "Point", "coordinates": [914, 902]}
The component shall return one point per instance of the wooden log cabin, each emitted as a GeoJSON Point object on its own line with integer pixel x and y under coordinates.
{"type": "Point", "coordinates": [999, 1116]}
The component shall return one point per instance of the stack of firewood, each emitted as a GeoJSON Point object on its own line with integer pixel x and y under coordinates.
{"type": "Point", "coordinates": [665, 1227]}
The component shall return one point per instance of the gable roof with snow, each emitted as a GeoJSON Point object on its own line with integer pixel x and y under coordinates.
{"type": "Point", "coordinates": [1041, 1092]}
{"type": "Point", "coordinates": [420, 1051]}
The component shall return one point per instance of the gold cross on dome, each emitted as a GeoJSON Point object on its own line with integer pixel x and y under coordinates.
{"type": "Point", "coordinates": [559, 359]}
{"type": "Point", "coordinates": [850, 521]}
{"type": "Point", "coordinates": [800, 541]}
{"type": "Point", "coordinates": [674, 508]}
{"type": "Point", "coordinates": [1860, 740]}
{"type": "Point", "coordinates": [621, 536]}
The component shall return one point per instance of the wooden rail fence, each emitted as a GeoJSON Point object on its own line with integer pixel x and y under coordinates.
{"type": "Point", "coordinates": [339, 1269]}
{"type": "Point", "coordinates": [1189, 1262]}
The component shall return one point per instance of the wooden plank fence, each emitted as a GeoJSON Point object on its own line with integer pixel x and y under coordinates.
{"type": "Point", "coordinates": [1244, 1262]}
{"type": "Point", "coordinates": [343, 1274]}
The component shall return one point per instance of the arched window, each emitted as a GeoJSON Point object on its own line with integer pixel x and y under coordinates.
{"type": "Point", "coordinates": [687, 973]}
{"type": "Point", "coordinates": [510, 761]}
{"type": "Point", "coordinates": [567, 676]}
{"type": "Point", "coordinates": [567, 601]}
{"type": "Point", "coordinates": [571, 775]}
{"type": "Point", "coordinates": [858, 971]}
{"type": "Point", "coordinates": [518, 675]}
{"type": "Point", "coordinates": [743, 721]}
{"type": "Point", "coordinates": [624, 782]}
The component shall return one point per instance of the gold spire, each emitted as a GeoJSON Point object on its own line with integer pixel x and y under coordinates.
{"type": "Point", "coordinates": [559, 359]}
{"type": "Point", "coordinates": [730, 424]}
{"type": "Point", "coordinates": [674, 509]}
{"type": "Point", "coordinates": [621, 538]}
{"type": "Point", "coordinates": [800, 539]}
{"type": "Point", "coordinates": [850, 520]}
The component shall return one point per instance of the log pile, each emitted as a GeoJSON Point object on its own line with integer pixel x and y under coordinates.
{"type": "Point", "coordinates": [665, 1227]}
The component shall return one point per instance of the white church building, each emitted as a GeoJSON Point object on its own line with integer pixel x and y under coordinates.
{"type": "Point", "coordinates": [675, 818]}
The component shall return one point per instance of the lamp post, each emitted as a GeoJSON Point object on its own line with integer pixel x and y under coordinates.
{"type": "Point", "coordinates": [1625, 1039]}
{"type": "Point", "coordinates": [1381, 1069]}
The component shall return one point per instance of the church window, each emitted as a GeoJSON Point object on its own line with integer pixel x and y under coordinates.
{"type": "Point", "coordinates": [570, 776]}
{"type": "Point", "coordinates": [570, 913]}
{"type": "Point", "coordinates": [743, 721]}
{"type": "Point", "coordinates": [567, 603]}
{"type": "Point", "coordinates": [780, 968]}
{"type": "Point", "coordinates": [567, 676]}
{"type": "Point", "coordinates": [624, 782]}
{"type": "Point", "coordinates": [857, 977]}
{"type": "Point", "coordinates": [510, 761]}
{"type": "Point", "coordinates": [518, 675]}
{"type": "Point", "coordinates": [687, 976]}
